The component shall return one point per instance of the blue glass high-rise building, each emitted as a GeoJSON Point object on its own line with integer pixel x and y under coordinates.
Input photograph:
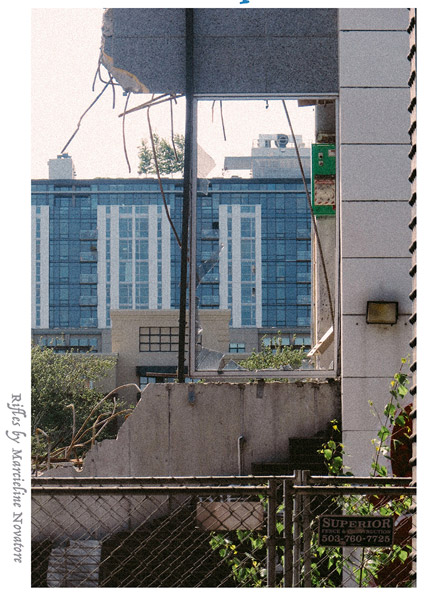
{"type": "Point", "coordinates": [105, 244]}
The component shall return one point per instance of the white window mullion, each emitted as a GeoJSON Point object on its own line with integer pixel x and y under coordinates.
{"type": "Point", "coordinates": [258, 259]}
{"type": "Point", "coordinates": [153, 257]}
{"type": "Point", "coordinates": [133, 258]}
{"type": "Point", "coordinates": [236, 265]}
{"type": "Point", "coordinates": [166, 262]}
{"type": "Point", "coordinates": [101, 267]}
{"type": "Point", "coordinates": [114, 254]}
{"type": "Point", "coordinates": [44, 267]}
{"type": "Point", "coordinates": [223, 271]}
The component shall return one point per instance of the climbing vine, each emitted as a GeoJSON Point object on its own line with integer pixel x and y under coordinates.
{"type": "Point", "coordinates": [245, 551]}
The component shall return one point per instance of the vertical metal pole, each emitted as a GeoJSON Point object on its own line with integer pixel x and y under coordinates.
{"type": "Point", "coordinates": [307, 534]}
{"type": "Point", "coordinates": [297, 515]}
{"type": "Point", "coordinates": [288, 534]}
{"type": "Point", "coordinates": [271, 533]}
{"type": "Point", "coordinates": [187, 193]}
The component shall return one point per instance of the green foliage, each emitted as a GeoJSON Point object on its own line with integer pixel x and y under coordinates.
{"type": "Point", "coordinates": [274, 356]}
{"type": "Point", "coordinates": [373, 560]}
{"type": "Point", "coordinates": [392, 417]}
{"type": "Point", "coordinates": [367, 565]}
{"type": "Point", "coordinates": [63, 395]}
{"type": "Point", "coordinates": [333, 452]}
{"type": "Point", "coordinates": [168, 162]}
{"type": "Point", "coordinates": [246, 551]}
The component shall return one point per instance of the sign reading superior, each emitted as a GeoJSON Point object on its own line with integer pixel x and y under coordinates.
{"type": "Point", "coordinates": [340, 530]}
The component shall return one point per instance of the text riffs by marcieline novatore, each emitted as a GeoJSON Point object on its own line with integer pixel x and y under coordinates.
{"type": "Point", "coordinates": [16, 434]}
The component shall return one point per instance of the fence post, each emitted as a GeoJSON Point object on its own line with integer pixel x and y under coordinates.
{"type": "Point", "coordinates": [271, 533]}
{"type": "Point", "coordinates": [288, 533]}
{"type": "Point", "coordinates": [307, 534]}
{"type": "Point", "coordinates": [297, 515]}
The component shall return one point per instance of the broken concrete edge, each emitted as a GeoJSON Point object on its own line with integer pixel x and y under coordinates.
{"type": "Point", "coordinates": [97, 461]}
{"type": "Point", "coordinates": [128, 81]}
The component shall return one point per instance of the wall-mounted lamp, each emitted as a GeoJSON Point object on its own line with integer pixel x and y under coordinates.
{"type": "Point", "coordinates": [382, 313]}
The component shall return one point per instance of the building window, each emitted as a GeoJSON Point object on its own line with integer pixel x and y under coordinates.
{"type": "Point", "coordinates": [125, 295]}
{"type": "Point", "coordinates": [159, 339]}
{"type": "Point", "coordinates": [237, 348]}
{"type": "Point", "coordinates": [277, 342]}
{"type": "Point", "coordinates": [302, 341]}
{"type": "Point", "coordinates": [146, 380]}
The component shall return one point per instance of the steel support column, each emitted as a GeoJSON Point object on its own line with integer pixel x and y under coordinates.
{"type": "Point", "coordinates": [187, 193]}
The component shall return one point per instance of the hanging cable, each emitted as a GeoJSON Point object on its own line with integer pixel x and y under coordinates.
{"type": "Point", "coordinates": [123, 133]}
{"type": "Point", "coordinates": [114, 91]}
{"type": "Point", "coordinates": [148, 105]}
{"type": "Point", "coordinates": [152, 102]}
{"type": "Point", "coordinates": [86, 111]}
{"type": "Point", "coordinates": [159, 179]}
{"type": "Point", "coordinates": [97, 72]}
{"type": "Point", "coordinates": [221, 116]}
{"type": "Point", "coordinates": [312, 216]}
{"type": "Point", "coordinates": [172, 130]}
{"type": "Point", "coordinates": [222, 120]}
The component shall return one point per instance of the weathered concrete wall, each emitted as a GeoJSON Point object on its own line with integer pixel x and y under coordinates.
{"type": "Point", "coordinates": [193, 429]}
{"type": "Point", "coordinates": [187, 430]}
{"type": "Point", "coordinates": [236, 51]}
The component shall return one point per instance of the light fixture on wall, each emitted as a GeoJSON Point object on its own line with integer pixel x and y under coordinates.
{"type": "Point", "coordinates": [381, 313]}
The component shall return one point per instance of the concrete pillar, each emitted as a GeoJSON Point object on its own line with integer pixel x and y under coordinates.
{"type": "Point", "coordinates": [374, 212]}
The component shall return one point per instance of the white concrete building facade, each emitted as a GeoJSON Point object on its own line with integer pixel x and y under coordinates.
{"type": "Point", "coordinates": [374, 193]}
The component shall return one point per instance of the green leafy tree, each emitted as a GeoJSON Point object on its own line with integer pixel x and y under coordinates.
{"type": "Point", "coordinates": [170, 156]}
{"type": "Point", "coordinates": [64, 398]}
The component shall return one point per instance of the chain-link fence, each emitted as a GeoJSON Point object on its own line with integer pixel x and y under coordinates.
{"type": "Point", "coordinates": [352, 532]}
{"type": "Point", "coordinates": [219, 532]}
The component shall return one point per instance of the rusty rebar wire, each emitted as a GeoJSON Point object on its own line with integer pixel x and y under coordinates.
{"type": "Point", "coordinates": [81, 118]}
{"type": "Point", "coordinates": [123, 133]}
{"type": "Point", "coordinates": [324, 268]}
{"type": "Point", "coordinates": [113, 90]}
{"type": "Point", "coordinates": [222, 120]}
{"type": "Point", "coordinates": [172, 129]}
{"type": "Point", "coordinates": [152, 102]}
{"type": "Point", "coordinates": [221, 116]}
{"type": "Point", "coordinates": [97, 72]}
{"type": "Point", "coordinates": [155, 158]}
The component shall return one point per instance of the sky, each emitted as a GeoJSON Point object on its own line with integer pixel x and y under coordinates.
{"type": "Point", "coordinates": [64, 55]}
